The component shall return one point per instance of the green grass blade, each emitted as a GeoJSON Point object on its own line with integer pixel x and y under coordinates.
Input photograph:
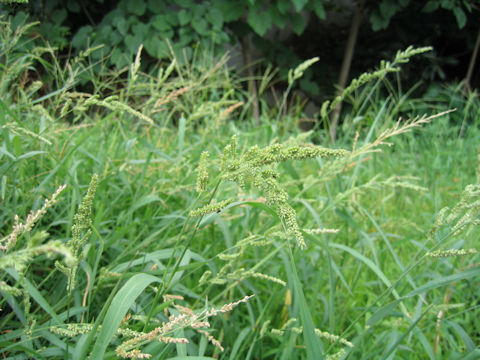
{"type": "Point", "coordinates": [442, 281]}
{"type": "Point", "coordinates": [462, 334]}
{"type": "Point", "coordinates": [354, 176]}
{"type": "Point", "coordinates": [394, 346]}
{"type": "Point", "coordinates": [181, 136]}
{"type": "Point", "coordinates": [122, 301]}
{"type": "Point", "coordinates": [239, 342]}
{"type": "Point", "coordinates": [313, 343]}
{"type": "Point", "coordinates": [37, 296]}
{"type": "Point", "coordinates": [373, 267]}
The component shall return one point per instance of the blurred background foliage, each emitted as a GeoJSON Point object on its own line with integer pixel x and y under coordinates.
{"type": "Point", "coordinates": [348, 36]}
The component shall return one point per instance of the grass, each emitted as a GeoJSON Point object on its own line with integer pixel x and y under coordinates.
{"type": "Point", "coordinates": [155, 273]}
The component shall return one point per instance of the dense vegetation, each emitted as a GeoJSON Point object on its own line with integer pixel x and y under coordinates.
{"type": "Point", "coordinates": [281, 33]}
{"type": "Point", "coordinates": [175, 227]}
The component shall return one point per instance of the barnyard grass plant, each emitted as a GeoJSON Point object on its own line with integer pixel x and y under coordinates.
{"type": "Point", "coordinates": [192, 213]}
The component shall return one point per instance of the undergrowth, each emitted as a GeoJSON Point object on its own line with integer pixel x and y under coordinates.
{"type": "Point", "coordinates": [162, 226]}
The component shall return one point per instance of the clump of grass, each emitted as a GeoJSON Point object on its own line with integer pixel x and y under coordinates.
{"type": "Point", "coordinates": [363, 280]}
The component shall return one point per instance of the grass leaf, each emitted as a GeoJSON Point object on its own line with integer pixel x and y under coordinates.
{"type": "Point", "coordinates": [122, 301]}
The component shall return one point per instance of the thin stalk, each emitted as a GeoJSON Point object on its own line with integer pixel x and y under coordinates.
{"type": "Point", "coordinates": [180, 258]}
{"type": "Point", "coordinates": [347, 62]}
{"type": "Point", "coordinates": [472, 64]}
{"type": "Point", "coordinates": [284, 100]}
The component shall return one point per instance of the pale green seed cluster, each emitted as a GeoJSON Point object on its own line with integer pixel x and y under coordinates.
{"type": "Point", "coordinates": [321, 231]}
{"type": "Point", "coordinates": [384, 68]}
{"type": "Point", "coordinates": [226, 274]}
{"type": "Point", "coordinates": [333, 338]}
{"type": "Point", "coordinates": [288, 326]}
{"type": "Point", "coordinates": [435, 309]}
{"type": "Point", "coordinates": [205, 277]}
{"type": "Point", "coordinates": [464, 214]}
{"type": "Point", "coordinates": [300, 69]}
{"type": "Point", "coordinates": [82, 220]}
{"type": "Point", "coordinates": [338, 355]}
{"type": "Point", "coordinates": [405, 55]}
{"type": "Point", "coordinates": [265, 277]}
{"type": "Point", "coordinates": [255, 240]}
{"type": "Point", "coordinates": [277, 153]}
{"type": "Point", "coordinates": [256, 167]}
{"type": "Point", "coordinates": [7, 243]}
{"type": "Point", "coordinates": [80, 233]}
{"type": "Point", "coordinates": [112, 103]}
{"type": "Point", "coordinates": [377, 183]}
{"type": "Point", "coordinates": [229, 257]}
{"type": "Point", "coordinates": [74, 329]}
{"type": "Point", "coordinates": [20, 259]}
{"type": "Point", "coordinates": [10, 290]}
{"type": "Point", "coordinates": [18, 130]}
{"type": "Point", "coordinates": [188, 318]}
{"type": "Point", "coordinates": [211, 208]}
{"type": "Point", "coordinates": [264, 328]}
{"type": "Point", "coordinates": [451, 252]}
{"type": "Point", "coordinates": [202, 173]}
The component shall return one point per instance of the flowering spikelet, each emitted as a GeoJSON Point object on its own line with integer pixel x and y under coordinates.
{"type": "Point", "coordinates": [384, 68]}
{"type": "Point", "coordinates": [10, 290]}
{"type": "Point", "coordinates": [202, 173]}
{"type": "Point", "coordinates": [256, 167]}
{"type": "Point", "coordinates": [333, 338]}
{"type": "Point", "coordinates": [255, 240]}
{"type": "Point", "coordinates": [466, 212]}
{"type": "Point", "coordinates": [338, 355]}
{"type": "Point", "coordinates": [82, 220]}
{"type": "Point", "coordinates": [451, 252]}
{"type": "Point", "coordinates": [113, 104]}
{"type": "Point", "coordinates": [298, 330]}
{"type": "Point", "coordinates": [264, 328]}
{"type": "Point", "coordinates": [80, 233]}
{"type": "Point", "coordinates": [297, 73]}
{"type": "Point", "coordinates": [277, 153]}
{"type": "Point", "coordinates": [192, 319]}
{"type": "Point", "coordinates": [242, 274]}
{"type": "Point", "coordinates": [210, 338]}
{"type": "Point", "coordinates": [204, 278]}
{"type": "Point", "coordinates": [172, 96]}
{"type": "Point", "coordinates": [19, 228]}
{"type": "Point", "coordinates": [320, 231]}
{"type": "Point", "coordinates": [14, 128]}
{"type": "Point", "coordinates": [210, 208]}
{"type": "Point", "coordinates": [228, 257]}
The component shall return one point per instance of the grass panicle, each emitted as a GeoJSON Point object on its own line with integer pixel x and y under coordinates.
{"type": "Point", "coordinates": [80, 234]}
{"type": "Point", "coordinates": [195, 320]}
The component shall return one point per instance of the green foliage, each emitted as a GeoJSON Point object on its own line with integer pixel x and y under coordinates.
{"type": "Point", "coordinates": [163, 27]}
{"type": "Point", "coordinates": [117, 29]}
{"type": "Point", "coordinates": [381, 16]}
{"type": "Point", "coordinates": [150, 279]}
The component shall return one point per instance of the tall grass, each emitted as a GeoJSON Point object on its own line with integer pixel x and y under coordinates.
{"type": "Point", "coordinates": [172, 230]}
